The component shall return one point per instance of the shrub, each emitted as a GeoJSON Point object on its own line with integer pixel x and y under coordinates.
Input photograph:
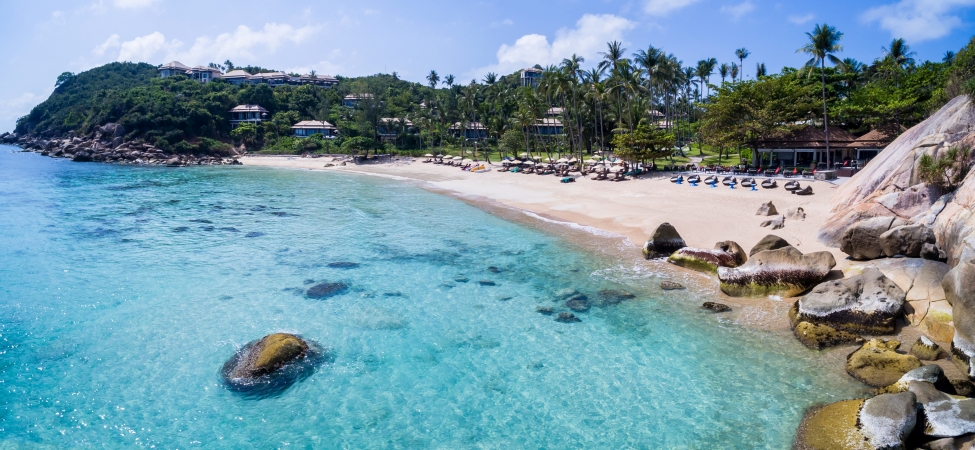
{"type": "Point", "coordinates": [948, 170]}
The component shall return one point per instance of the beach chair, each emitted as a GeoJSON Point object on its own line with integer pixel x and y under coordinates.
{"type": "Point", "coordinates": [568, 180]}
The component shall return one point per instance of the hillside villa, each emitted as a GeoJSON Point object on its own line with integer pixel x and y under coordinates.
{"type": "Point", "coordinates": [247, 113]}
{"type": "Point", "coordinates": [389, 127]}
{"type": "Point", "coordinates": [352, 100]}
{"type": "Point", "coordinates": [471, 130]}
{"type": "Point", "coordinates": [530, 77]}
{"type": "Point", "coordinates": [307, 128]}
{"type": "Point", "coordinates": [236, 77]}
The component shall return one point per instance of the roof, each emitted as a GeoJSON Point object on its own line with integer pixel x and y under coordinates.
{"type": "Point", "coordinates": [879, 137]}
{"type": "Point", "coordinates": [248, 108]}
{"type": "Point", "coordinates": [808, 137]}
{"type": "Point", "coordinates": [237, 73]}
{"type": "Point", "coordinates": [205, 69]}
{"type": "Point", "coordinates": [550, 122]}
{"type": "Point", "coordinates": [270, 75]}
{"type": "Point", "coordinates": [554, 111]}
{"type": "Point", "coordinates": [470, 126]}
{"type": "Point", "coordinates": [327, 78]}
{"type": "Point", "coordinates": [655, 113]}
{"type": "Point", "coordinates": [314, 125]}
{"type": "Point", "coordinates": [532, 69]}
{"type": "Point", "coordinates": [357, 96]}
{"type": "Point", "coordinates": [174, 65]}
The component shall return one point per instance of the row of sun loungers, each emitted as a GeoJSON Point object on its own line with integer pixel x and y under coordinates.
{"type": "Point", "coordinates": [731, 181]}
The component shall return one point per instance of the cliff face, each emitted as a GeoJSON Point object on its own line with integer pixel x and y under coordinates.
{"type": "Point", "coordinates": [890, 187]}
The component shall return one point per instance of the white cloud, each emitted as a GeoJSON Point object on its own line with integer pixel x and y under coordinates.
{"type": "Point", "coordinates": [241, 43]}
{"type": "Point", "coordinates": [325, 67]}
{"type": "Point", "coordinates": [134, 4]}
{"type": "Point", "coordinates": [589, 37]}
{"type": "Point", "coordinates": [918, 20]}
{"type": "Point", "coordinates": [11, 110]}
{"type": "Point", "coordinates": [664, 7]}
{"type": "Point", "coordinates": [801, 20]}
{"type": "Point", "coordinates": [736, 11]}
{"type": "Point", "coordinates": [110, 43]}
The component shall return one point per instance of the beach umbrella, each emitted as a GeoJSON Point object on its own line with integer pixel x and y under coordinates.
{"type": "Point", "coordinates": [458, 158]}
{"type": "Point", "coordinates": [440, 156]}
{"type": "Point", "coordinates": [428, 156]}
{"type": "Point", "coordinates": [562, 160]}
{"type": "Point", "coordinates": [468, 161]}
{"type": "Point", "coordinates": [523, 155]}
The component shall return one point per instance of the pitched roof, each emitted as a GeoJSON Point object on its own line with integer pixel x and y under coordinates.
{"type": "Point", "coordinates": [314, 125]}
{"type": "Point", "coordinates": [879, 137]}
{"type": "Point", "coordinates": [549, 122]}
{"type": "Point", "coordinates": [532, 69]}
{"type": "Point", "coordinates": [266, 75]}
{"type": "Point", "coordinates": [808, 137]}
{"type": "Point", "coordinates": [248, 108]}
{"type": "Point", "coordinates": [554, 111]}
{"type": "Point", "coordinates": [320, 77]}
{"type": "Point", "coordinates": [205, 69]}
{"type": "Point", "coordinates": [470, 126]}
{"type": "Point", "coordinates": [174, 65]}
{"type": "Point", "coordinates": [237, 74]}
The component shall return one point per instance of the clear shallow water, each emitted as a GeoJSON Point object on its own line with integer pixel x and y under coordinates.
{"type": "Point", "coordinates": [124, 289]}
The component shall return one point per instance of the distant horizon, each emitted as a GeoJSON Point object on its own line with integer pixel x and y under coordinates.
{"type": "Point", "coordinates": [380, 37]}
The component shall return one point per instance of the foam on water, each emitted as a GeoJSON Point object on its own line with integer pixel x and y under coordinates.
{"type": "Point", "coordinates": [123, 290]}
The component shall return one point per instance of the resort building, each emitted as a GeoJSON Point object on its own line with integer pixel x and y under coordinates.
{"type": "Point", "coordinates": [471, 130]}
{"type": "Point", "coordinates": [316, 80]}
{"type": "Point", "coordinates": [550, 125]}
{"type": "Point", "coordinates": [389, 128]}
{"type": "Point", "coordinates": [198, 73]}
{"type": "Point", "coordinates": [307, 128]}
{"type": "Point", "coordinates": [803, 147]}
{"type": "Point", "coordinates": [237, 77]}
{"type": "Point", "coordinates": [270, 78]}
{"type": "Point", "coordinates": [352, 100]}
{"type": "Point", "coordinates": [247, 113]}
{"type": "Point", "coordinates": [531, 76]}
{"type": "Point", "coordinates": [866, 147]}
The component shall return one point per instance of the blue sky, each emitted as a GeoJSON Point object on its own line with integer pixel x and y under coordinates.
{"type": "Point", "coordinates": [41, 39]}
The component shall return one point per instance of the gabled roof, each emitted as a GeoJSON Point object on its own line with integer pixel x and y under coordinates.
{"type": "Point", "coordinates": [174, 65]}
{"type": "Point", "coordinates": [808, 137]}
{"type": "Point", "coordinates": [313, 125]}
{"type": "Point", "coordinates": [879, 137]}
{"type": "Point", "coordinates": [554, 111]}
{"type": "Point", "coordinates": [549, 122]}
{"type": "Point", "coordinates": [470, 126]}
{"type": "Point", "coordinates": [248, 108]}
{"type": "Point", "coordinates": [205, 69]}
{"type": "Point", "coordinates": [237, 74]}
{"type": "Point", "coordinates": [326, 78]}
{"type": "Point", "coordinates": [532, 69]}
{"type": "Point", "coordinates": [267, 75]}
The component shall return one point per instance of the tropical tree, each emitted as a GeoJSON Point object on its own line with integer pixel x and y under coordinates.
{"type": "Point", "coordinates": [899, 53]}
{"type": "Point", "coordinates": [449, 81]}
{"type": "Point", "coordinates": [760, 70]}
{"type": "Point", "coordinates": [433, 79]}
{"type": "Point", "coordinates": [724, 70]}
{"type": "Point", "coordinates": [824, 41]}
{"type": "Point", "coordinates": [742, 53]}
{"type": "Point", "coordinates": [734, 71]}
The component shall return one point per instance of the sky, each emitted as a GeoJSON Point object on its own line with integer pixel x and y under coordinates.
{"type": "Point", "coordinates": [42, 39]}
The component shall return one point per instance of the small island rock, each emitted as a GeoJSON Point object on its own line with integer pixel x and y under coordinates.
{"type": "Point", "coordinates": [664, 242]}
{"type": "Point", "coordinates": [716, 307]}
{"type": "Point", "coordinates": [724, 254]}
{"type": "Point", "coordinates": [671, 286]}
{"type": "Point", "coordinates": [265, 356]}
{"type": "Point", "coordinates": [865, 303]}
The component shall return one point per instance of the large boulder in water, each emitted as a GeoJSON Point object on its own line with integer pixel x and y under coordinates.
{"type": "Point", "coordinates": [325, 290]}
{"type": "Point", "coordinates": [866, 303]}
{"type": "Point", "coordinates": [664, 242]}
{"type": "Point", "coordinates": [888, 419]}
{"type": "Point", "coordinates": [724, 254]}
{"type": "Point", "coordinates": [264, 357]}
{"type": "Point", "coordinates": [862, 240]}
{"type": "Point", "coordinates": [785, 272]}
{"type": "Point", "coordinates": [770, 242]}
{"type": "Point", "coordinates": [878, 364]}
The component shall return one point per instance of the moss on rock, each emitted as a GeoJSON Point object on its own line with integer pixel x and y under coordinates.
{"type": "Point", "coordinates": [833, 426]}
{"type": "Point", "coordinates": [818, 337]}
{"type": "Point", "coordinates": [878, 364]}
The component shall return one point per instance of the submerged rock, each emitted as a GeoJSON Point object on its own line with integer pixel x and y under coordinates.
{"type": "Point", "coordinates": [818, 337]}
{"type": "Point", "coordinates": [716, 307]}
{"type": "Point", "coordinates": [343, 265]}
{"type": "Point", "coordinates": [609, 297]}
{"type": "Point", "coordinates": [671, 286]}
{"type": "Point", "coordinates": [833, 426]}
{"type": "Point", "coordinates": [877, 363]}
{"type": "Point", "coordinates": [770, 242]}
{"type": "Point", "coordinates": [578, 304]}
{"type": "Point", "coordinates": [785, 271]}
{"type": "Point", "coordinates": [322, 291]}
{"type": "Point", "coordinates": [866, 303]}
{"type": "Point", "coordinates": [927, 350]}
{"type": "Point", "coordinates": [567, 318]}
{"type": "Point", "coordinates": [664, 242]}
{"type": "Point", "coordinates": [264, 356]}
{"type": "Point", "coordinates": [487, 283]}
{"type": "Point", "coordinates": [724, 254]}
{"type": "Point", "coordinates": [546, 310]}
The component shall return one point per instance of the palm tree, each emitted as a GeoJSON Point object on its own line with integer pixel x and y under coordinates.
{"type": "Point", "coordinates": [734, 71]}
{"type": "Point", "coordinates": [433, 79]}
{"type": "Point", "coordinates": [899, 53]}
{"type": "Point", "coordinates": [711, 64]}
{"type": "Point", "coordinates": [701, 72]}
{"type": "Point", "coordinates": [490, 78]}
{"type": "Point", "coordinates": [823, 42]}
{"type": "Point", "coordinates": [449, 81]}
{"type": "Point", "coordinates": [949, 57]}
{"type": "Point", "coordinates": [760, 70]}
{"type": "Point", "coordinates": [742, 53]}
{"type": "Point", "coordinates": [724, 70]}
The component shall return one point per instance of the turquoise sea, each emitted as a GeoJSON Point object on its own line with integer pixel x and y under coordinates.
{"type": "Point", "coordinates": [123, 290]}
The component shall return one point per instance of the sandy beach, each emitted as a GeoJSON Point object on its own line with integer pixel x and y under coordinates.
{"type": "Point", "coordinates": [632, 208]}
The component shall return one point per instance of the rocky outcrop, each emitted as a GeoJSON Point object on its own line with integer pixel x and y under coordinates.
{"type": "Point", "coordinates": [944, 416]}
{"type": "Point", "coordinates": [818, 337]}
{"type": "Point", "coordinates": [865, 303]}
{"type": "Point", "coordinates": [770, 242]}
{"type": "Point", "coordinates": [959, 287]}
{"type": "Point", "coordinates": [878, 364]}
{"type": "Point", "coordinates": [931, 373]}
{"type": "Point", "coordinates": [906, 240]}
{"type": "Point", "coordinates": [767, 209]}
{"type": "Point", "coordinates": [927, 308]}
{"type": "Point", "coordinates": [664, 242]}
{"type": "Point", "coordinates": [264, 356]}
{"type": "Point", "coordinates": [671, 286]}
{"type": "Point", "coordinates": [777, 223]}
{"type": "Point", "coordinates": [716, 307]}
{"type": "Point", "coordinates": [888, 419]}
{"type": "Point", "coordinates": [797, 214]}
{"type": "Point", "coordinates": [862, 239]}
{"type": "Point", "coordinates": [833, 426]}
{"type": "Point", "coordinates": [724, 254]}
{"type": "Point", "coordinates": [927, 350]}
{"type": "Point", "coordinates": [785, 272]}
{"type": "Point", "coordinates": [107, 144]}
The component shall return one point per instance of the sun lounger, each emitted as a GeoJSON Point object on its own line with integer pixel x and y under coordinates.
{"type": "Point", "coordinates": [769, 184]}
{"type": "Point", "coordinates": [792, 186]}
{"type": "Point", "coordinates": [804, 191]}
{"type": "Point", "coordinates": [568, 180]}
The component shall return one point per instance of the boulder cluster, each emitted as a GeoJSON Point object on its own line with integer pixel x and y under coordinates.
{"type": "Point", "coordinates": [107, 144]}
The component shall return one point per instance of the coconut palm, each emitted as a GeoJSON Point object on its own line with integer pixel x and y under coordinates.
{"type": "Point", "coordinates": [742, 53]}
{"type": "Point", "coordinates": [724, 70]}
{"type": "Point", "coordinates": [734, 71]}
{"type": "Point", "coordinates": [760, 70]}
{"type": "Point", "coordinates": [490, 78]}
{"type": "Point", "coordinates": [824, 41]}
{"type": "Point", "coordinates": [433, 79]}
{"type": "Point", "coordinates": [449, 81]}
{"type": "Point", "coordinates": [949, 57]}
{"type": "Point", "coordinates": [899, 53]}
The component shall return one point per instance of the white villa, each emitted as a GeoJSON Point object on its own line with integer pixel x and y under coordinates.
{"type": "Point", "coordinates": [247, 113]}
{"type": "Point", "coordinates": [531, 76]}
{"type": "Point", "coordinates": [205, 74]}
{"type": "Point", "coordinates": [351, 100]}
{"type": "Point", "coordinates": [306, 128]}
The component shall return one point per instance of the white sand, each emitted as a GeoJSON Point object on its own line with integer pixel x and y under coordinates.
{"type": "Point", "coordinates": [632, 208]}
